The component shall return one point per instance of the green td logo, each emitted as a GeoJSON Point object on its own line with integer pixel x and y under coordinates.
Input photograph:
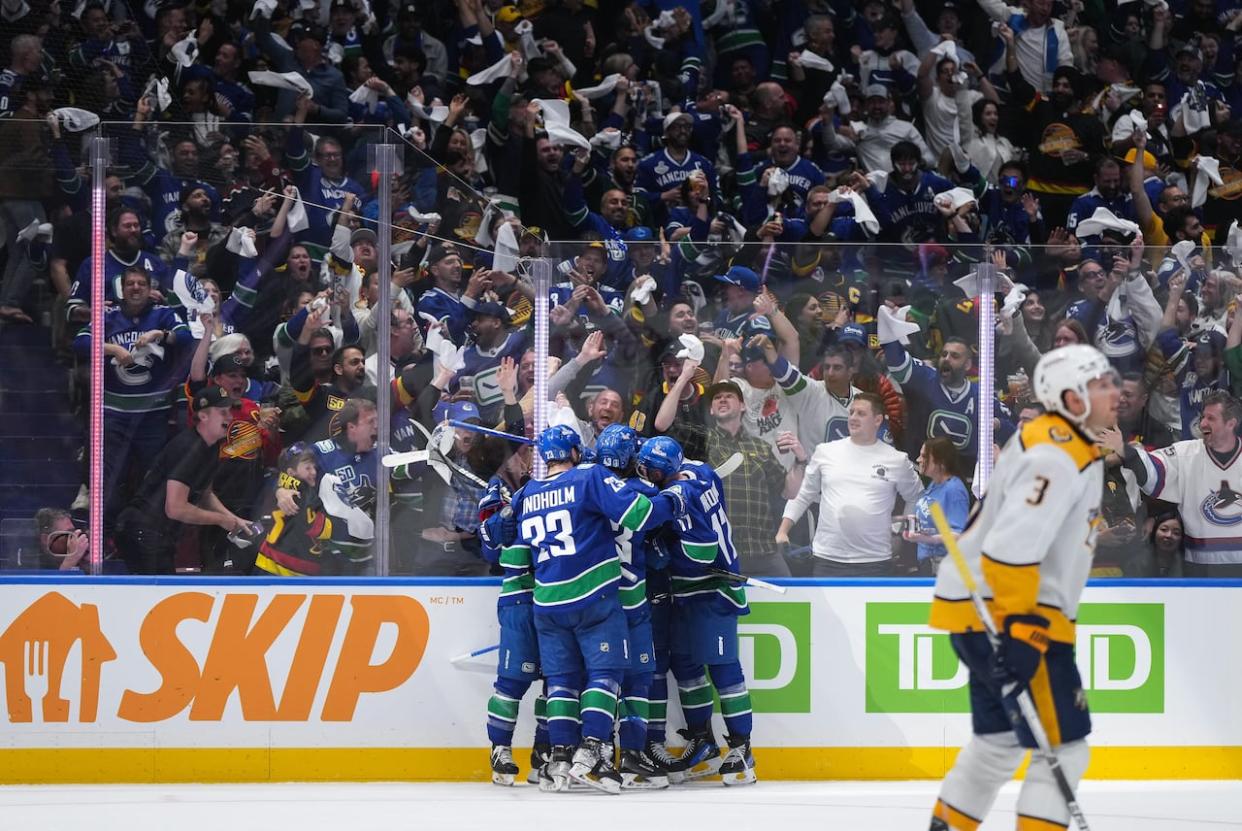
{"type": "Point", "coordinates": [774, 642]}
{"type": "Point", "coordinates": [911, 668]}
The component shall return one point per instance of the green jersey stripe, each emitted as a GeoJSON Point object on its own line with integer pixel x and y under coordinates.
{"type": "Point", "coordinates": [636, 515]}
{"type": "Point", "coordinates": [515, 556]}
{"type": "Point", "coordinates": [585, 584]}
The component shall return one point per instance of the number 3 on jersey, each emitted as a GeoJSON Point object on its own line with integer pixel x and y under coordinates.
{"type": "Point", "coordinates": [557, 527]}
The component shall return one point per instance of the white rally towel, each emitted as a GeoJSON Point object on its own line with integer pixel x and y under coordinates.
{"type": "Point", "coordinates": [525, 31]}
{"type": "Point", "coordinates": [947, 49]}
{"type": "Point", "coordinates": [436, 112]}
{"type": "Point", "coordinates": [810, 60]}
{"type": "Point", "coordinates": [1193, 109]}
{"type": "Point", "coordinates": [495, 72]}
{"type": "Point", "coordinates": [158, 88]}
{"type": "Point", "coordinates": [281, 80]}
{"type": "Point", "coordinates": [863, 214]}
{"type": "Point", "coordinates": [644, 287]}
{"type": "Point", "coordinates": [607, 139]}
{"type": "Point", "coordinates": [263, 8]}
{"type": "Point", "coordinates": [1104, 220]}
{"type": "Point", "coordinates": [894, 328]}
{"type": "Point", "coordinates": [75, 120]}
{"type": "Point", "coordinates": [1233, 243]}
{"type": "Point", "coordinates": [446, 352]}
{"type": "Point", "coordinates": [1182, 253]}
{"type": "Point", "coordinates": [556, 124]}
{"type": "Point", "coordinates": [241, 242]}
{"type": "Point", "coordinates": [601, 89]}
{"type": "Point", "coordinates": [505, 254]}
{"type": "Point", "coordinates": [692, 348]}
{"type": "Point", "coordinates": [332, 493]}
{"type": "Point", "coordinates": [1209, 174]}
{"type": "Point", "coordinates": [778, 182]}
{"type": "Point", "coordinates": [838, 97]}
{"type": "Point", "coordinates": [365, 96]}
{"type": "Point", "coordinates": [1138, 120]}
{"type": "Point", "coordinates": [191, 293]}
{"type": "Point", "coordinates": [297, 219]}
{"type": "Point", "coordinates": [185, 50]}
{"type": "Point", "coordinates": [1013, 300]}
{"type": "Point", "coordinates": [14, 10]}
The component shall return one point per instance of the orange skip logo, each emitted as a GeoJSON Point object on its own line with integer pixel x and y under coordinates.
{"type": "Point", "coordinates": [37, 644]}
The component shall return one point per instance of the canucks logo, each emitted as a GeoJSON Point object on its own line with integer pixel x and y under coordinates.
{"type": "Point", "coordinates": [1223, 506]}
{"type": "Point", "coordinates": [953, 426]}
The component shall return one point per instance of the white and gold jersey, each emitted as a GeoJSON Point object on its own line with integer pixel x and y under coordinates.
{"type": "Point", "coordinates": [1030, 541]}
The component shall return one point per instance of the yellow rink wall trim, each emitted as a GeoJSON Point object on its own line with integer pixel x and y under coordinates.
{"type": "Point", "coordinates": [387, 764]}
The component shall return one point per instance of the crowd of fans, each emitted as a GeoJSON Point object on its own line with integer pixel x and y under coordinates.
{"type": "Point", "coordinates": [767, 221]}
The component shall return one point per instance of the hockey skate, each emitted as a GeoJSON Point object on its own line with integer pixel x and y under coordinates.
{"type": "Point", "coordinates": [640, 773]}
{"type": "Point", "coordinates": [554, 776]}
{"type": "Point", "coordinates": [538, 758]}
{"type": "Point", "coordinates": [504, 769]}
{"type": "Point", "coordinates": [592, 766]}
{"type": "Point", "coordinates": [657, 754]}
{"type": "Point", "coordinates": [738, 767]}
{"type": "Point", "coordinates": [701, 757]}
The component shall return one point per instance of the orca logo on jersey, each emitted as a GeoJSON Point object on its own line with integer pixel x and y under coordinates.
{"type": "Point", "coordinates": [1222, 506]}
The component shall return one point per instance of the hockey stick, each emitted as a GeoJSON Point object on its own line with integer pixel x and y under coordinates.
{"type": "Point", "coordinates": [1025, 705]}
{"type": "Point", "coordinates": [487, 431]}
{"type": "Point", "coordinates": [465, 656]}
{"type": "Point", "coordinates": [437, 456]}
{"type": "Point", "coordinates": [753, 582]}
{"type": "Point", "coordinates": [729, 465]}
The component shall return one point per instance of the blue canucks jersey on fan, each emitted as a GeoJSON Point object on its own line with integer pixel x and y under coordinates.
{"type": "Point", "coordinates": [660, 172]}
{"type": "Point", "coordinates": [706, 540]}
{"type": "Point", "coordinates": [741, 326]}
{"type": "Point", "coordinates": [10, 91]}
{"type": "Point", "coordinates": [448, 309]}
{"type": "Point", "coordinates": [114, 268]}
{"type": "Point", "coordinates": [1117, 338]}
{"type": "Point", "coordinates": [144, 385]}
{"type": "Point", "coordinates": [613, 299]}
{"type": "Point", "coordinates": [934, 410]}
{"type": "Point", "coordinates": [565, 532]}
{"type": "Point", "coordinates": [481, 366]}
{"type": "Point", "coordinates": [803, 175]}
{"type": "Point", "coordinates": [355, 470]}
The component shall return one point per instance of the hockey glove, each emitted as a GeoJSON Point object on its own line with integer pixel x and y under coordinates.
{"type": "Point", "coordinates": [363, 498]}
{"type": "Point", "coordinates": [500, 529]}
{"type": "Point", "coordinates": [677, 494]}
{"type": "Point", "coordinates": [1022, 646]}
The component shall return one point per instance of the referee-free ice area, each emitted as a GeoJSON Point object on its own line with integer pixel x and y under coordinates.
{"type": "Point", "coordinates": [772, 806]}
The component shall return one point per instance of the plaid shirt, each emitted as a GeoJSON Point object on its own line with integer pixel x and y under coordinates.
{"type": "Point", "coordinates": [460, 507]}
{"type": "Point", "coordinates": [753, 492]}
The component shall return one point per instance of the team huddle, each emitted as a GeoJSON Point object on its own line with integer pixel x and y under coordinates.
{"type": "Point", "coordinates": [621, 569]}
{"type": "Point", "coordinates": [616, 572]}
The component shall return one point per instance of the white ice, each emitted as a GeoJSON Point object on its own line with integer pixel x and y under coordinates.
{"type": "Point", "coordinates": [771, 806]}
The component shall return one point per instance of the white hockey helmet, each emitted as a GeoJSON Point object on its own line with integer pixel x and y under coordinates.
{"type": "Point", "coordinates": [1069, 368]}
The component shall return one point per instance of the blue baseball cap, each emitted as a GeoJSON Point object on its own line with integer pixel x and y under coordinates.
{"type": "Point", "coordinates": [1213, 339]}
{"type": "Point", "coordinates": [456, 411]}
{"type": "Point", "coordinates": [853, 333]}
{"type": "Point", "coordinates": [740, 275]}
{"type": "Point", "coordinates": [640, 233]}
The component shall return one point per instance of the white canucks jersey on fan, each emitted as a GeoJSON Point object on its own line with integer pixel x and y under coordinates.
{"type": "Point", "coordinates": [1208, 493]}
{"type": "Point", "coordinates": [1031, 538]}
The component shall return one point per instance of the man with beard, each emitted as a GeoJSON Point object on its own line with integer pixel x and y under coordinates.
{"type": "Point", "coordinates": [493, 342]}
{"type": "Point", "coordinates": [1107, 193]}
{"type": "Point", "coordinates": [323, 401]}
{"type": "Point", "coordinates": [163, 187]}
{"type": "Point", "coordinates": [660, 175]}
{"type": "Point", "coordinates": [1069, 138]}
{"type": "Point", "coordinates": [1124, 338]}
{"type": "Point", "coordinates": [904, 205]}
{"type": "Point", "coordinates": [194, 215]}
{"type": "Point", "coordinates": [942, 401]}
{"type": "Point", "coordinates": [125, 252]}
{"type": "Point", "coordinates": [676, 406]}
{"type": "Point", "coordinates": [609, 225]}
{"type": "Point", "coordinates": [882, 132]}
{"type": "Point", "coordinates": [405, 343]}
{"type": "Point", "coordinates": [1134, 420]}
{"type": "Point", "coordinates": [445, 300]}
{"type": "Point", "coordinates": [410, 35]}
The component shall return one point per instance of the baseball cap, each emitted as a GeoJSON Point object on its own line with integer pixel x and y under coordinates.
{"type": "Point", "coordinates": [456, 411]}
{"type": "Point", "coordinates": [1189, 47]}
{"type": "Point", "coordinates": [188, 191]}
{"type": "Point", "coordinates": [640, 233]}
{"type": "Point", "coordinates": [441, 250]}
{"type": "Point", "coordinates": [875, 91]}
{"type": "Point", "coordinates": [740, 275]}
{"type": "Point", "coordinates": [1213, 339]}
{"type": "Point", "coordinates": [363, 235]}
{"type": "Point", "coordinates": [493, 309]}
{"type": "Point", "coordinates": [724, 386]}
{"type": "Point", "coordinates": [753, 353]}
{"type": "Point", "coordinates": [212, 397]}
{"type": "Point", "coordinates": [853, 333]}
{"type": "Point", "coordinates": [672, 118]}
{"type": "Point", "coordinates": [226, 364]}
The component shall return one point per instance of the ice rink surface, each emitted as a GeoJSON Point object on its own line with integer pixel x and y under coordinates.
{"type": "Point", "coordinates": [769, 806]}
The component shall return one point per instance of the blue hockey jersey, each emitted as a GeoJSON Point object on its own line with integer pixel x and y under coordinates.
{"type": "Point", "coordinates": [706, 540]}
{"type": "Point", "coordinates": [145, 385]}
{"type": "Point", "coordinates": [482, 367]}
{"type": "Point", "coordinates": [565, 533]}
{"type": "Point", "coordinates": [114, 268]}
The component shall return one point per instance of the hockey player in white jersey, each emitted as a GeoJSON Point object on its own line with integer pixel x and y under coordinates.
{"type": "Point", "coordinates": [1203, 477]}
{"type": "Point", "coordinates": [1029, 545]}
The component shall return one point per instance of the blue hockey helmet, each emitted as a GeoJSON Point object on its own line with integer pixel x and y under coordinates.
{"type": "Point", "coordinates": [660, 454]}
{"type": "Point", "coordinates": [616, 446]}
{"type": "Point", "coordinates": [557, 443]}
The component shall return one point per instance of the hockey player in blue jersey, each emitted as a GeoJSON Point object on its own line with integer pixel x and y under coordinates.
{"type": "Point", "coordinates": [518, 661]}
{"type": "Point", "coordinates": [616, 449]}
{"type": "Point", "coordinates": [706, 606]}
{"type": "Point", "coordinates": [565, 533]}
